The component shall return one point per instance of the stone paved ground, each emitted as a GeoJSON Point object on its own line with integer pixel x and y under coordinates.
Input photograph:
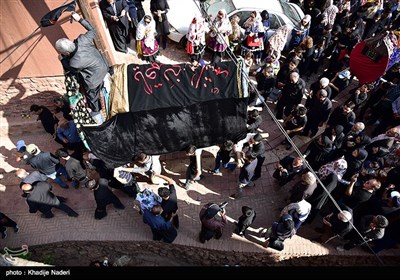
{"type": "Point", "coordinates": [126, 225]}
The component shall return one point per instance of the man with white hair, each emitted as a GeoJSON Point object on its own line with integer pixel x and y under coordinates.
{"type": "Point", "coordinates": [81, 57]}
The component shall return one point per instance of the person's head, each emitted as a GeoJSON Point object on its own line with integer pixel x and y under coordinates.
{"type": "Point", "coordinates": [308, 42]}
{"type": "Point", "coordinates": [348, 107]}
{"type": "Point", "coordinates": [62, 153]}
{"type": "Point", "coordinates": [287, 222]}
{"type": "Point", "coordinates": [250, 156]}
{"type": "Point", "coordinates": [228, 145]}
{"type": "Point", "coordinates": [21, 173]}
{"type": "Point", "coordinates": [164, 193]}
{"type": "Point", "coordinates": [156, 209]}
{"type": "Point", "coordinates": [191, 150]}
{"type": "Point", "coordinates": [308, 178]}
{"type": "Point", "coordinates": [358, 127]}
{"type": "Point", "coordinates": [26, 188]}
{"type": "Point", "coordinates": [379, 221]}
{"type": "Point", "coordinates": [293, 64]}
{"type": "Point", "coordinates": [306, 20]}
{"type": "Point", "coordinates": [323, 82]}
{"type": "Point", "coordinates": [32, 149]}
{"type": "Point", "coordinates": [344, 216]}
{"type": "Point", "coordinates": [249, 58]}
{"type": "Point", "coordinates": [268, 71]}
{"type": "Point", "coordinates": [254, 113]}
{"type": "Point", "coordinates": [327, 28]}
{"type": "Point", "coordinates": [36, 109]}
{"type": "Point", "coordinates": [59, 102]}
{"type": "Point", "coordinates": [294, 77]}
{"type": "Point", "coordinates": [65, 46]}
{"type": "Point", "coordinates": [393, 132]}
{"type": "Point", "coordinates": [372, 185]}
{"type": "Point", "coordinates": [297, 162]}
{"type": "Point", "coordinates": [21, 147]}
{"type": "Point", "coordinates": [257, 138]}
{"type": "Point", "coordinates": [322, 95]}
{"type": "Point", "coordinates": [110, 1]}
{"type": "Point", "coordinates": [147, 19]}
{"type": "Point", "coordinates": [302, 111]}
{"type": "Point", "coordinates": [264, 15]}
{"type": "Point", "coordinates": [247, 211]}
{"type": "Point", "coordinates": [140, 158]}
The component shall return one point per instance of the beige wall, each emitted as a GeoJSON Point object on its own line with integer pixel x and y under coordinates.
{"type": "Point", "coordinates": [37, 56]}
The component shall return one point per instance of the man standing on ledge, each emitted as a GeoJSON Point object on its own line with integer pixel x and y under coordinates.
{"type": "Point", "coordinates": [83, 59]}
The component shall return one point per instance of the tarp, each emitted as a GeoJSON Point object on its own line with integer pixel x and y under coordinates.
{"type": "Point", "coordinates": [171, 110]}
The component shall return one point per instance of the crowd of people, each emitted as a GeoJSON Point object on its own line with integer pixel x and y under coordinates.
{"type": "Point", "coordinates": [353, 152]}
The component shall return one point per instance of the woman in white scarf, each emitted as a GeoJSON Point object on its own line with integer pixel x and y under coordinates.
{"type": "Point", "coordinates": [146, 43]}
{"type": "Point", "coordinates": [254, 40]}
{"type": "Point", "coordinates": [219, 35]}
{"type": "Point", "coordinates": [196, 37]}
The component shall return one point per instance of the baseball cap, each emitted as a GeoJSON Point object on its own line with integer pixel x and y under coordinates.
{"type": "Point", "coordinates": [21, 145]}
{"type": "Point", "coordinates": [344, 216]}
{"type": "Point", "coordinates": [344, 74]}
{"type": "Point", "coordinates": [32, 149]}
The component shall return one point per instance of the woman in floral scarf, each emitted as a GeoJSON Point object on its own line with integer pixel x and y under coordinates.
{"type": "Point", "coordinates": [219, 35]}
{"type": "Point", "coordinates": [146, 43]}
{"type": "Point", "coordinates": [196, 38]}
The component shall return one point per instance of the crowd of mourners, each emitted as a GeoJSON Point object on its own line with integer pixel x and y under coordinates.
{"type": "Point", "coordinates": [354, 148]}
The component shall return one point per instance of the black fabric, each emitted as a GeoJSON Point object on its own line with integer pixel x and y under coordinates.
{"type": "Point", "coordinates": [167, 130]}
{"type": "Point", "coordinates": [158, 86]}
{"type": "Point", "coordinates": [51, 17]}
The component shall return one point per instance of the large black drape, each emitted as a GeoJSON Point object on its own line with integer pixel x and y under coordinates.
{"type": "Point", "coordinates": [168, 118]}
{"type": "Point", "coordinates": [171, 85]}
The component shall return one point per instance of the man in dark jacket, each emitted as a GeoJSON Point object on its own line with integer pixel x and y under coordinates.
{"type": "Point", "coordinates": [169, 201]}
{"type": "Point", "coordinates": [161, 229]}
{"type": "Point", "coordinates": [82, 57]}
{"type": "Point", "coordinates": [103, 196]}
{"type": "Point", "coordinates": [115, 14]}
{"type": "Point", "coordinates": [40, 197]}
{"type": "Point", "coordinates": [292, 94]}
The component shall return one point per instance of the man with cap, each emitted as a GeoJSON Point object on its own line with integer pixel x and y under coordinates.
{"type": "Point", "coordinates": [103, 196]}
{"type": "Point", "coordinates": [318, 112]}
{"type": "Point", "coordinates": [169, 201]}
{"type": "Point", "coordinates": [74, 169]}
{"type": "Point", "coordinates": [371, 227]}
{"type": "Point", "coordinates": [335, 224]}
{"type": "Point", "coordinates": [39, 196]}
{"type": "Point", "coordinates": [213, 220]}
{"type": "Point", "coordinates": [46, 163]}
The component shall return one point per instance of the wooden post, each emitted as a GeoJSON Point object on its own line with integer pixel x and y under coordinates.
{"type": "Point", "coordinates": [90, 11]}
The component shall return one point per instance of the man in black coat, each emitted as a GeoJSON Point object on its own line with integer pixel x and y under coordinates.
{"type": "Point", "coordinates": [40, 197]}
{"type": "Point", "coordinates": [115, 14]}
{"type": "Point", "coordinates": [103, 196]}
{"type": "Point", "coordinates": [292, 95]}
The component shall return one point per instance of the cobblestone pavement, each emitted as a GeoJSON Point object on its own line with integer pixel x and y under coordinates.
{"type": "Point", "coordinates": [126, 225]}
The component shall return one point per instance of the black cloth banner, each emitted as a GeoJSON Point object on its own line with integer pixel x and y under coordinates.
{"type": "Point", "coordinates": [167, 130]}
{"type": "Point", "coordinates": [178, 85]}
{"type": "Point", "coordinates": [51, 17]}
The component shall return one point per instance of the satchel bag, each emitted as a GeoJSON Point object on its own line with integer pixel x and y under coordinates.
{"type": "Point", "coordinates": [253, 41]}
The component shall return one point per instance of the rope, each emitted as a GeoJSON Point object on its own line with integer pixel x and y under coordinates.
{"type": "Point", "coordinates": [278, 124]}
